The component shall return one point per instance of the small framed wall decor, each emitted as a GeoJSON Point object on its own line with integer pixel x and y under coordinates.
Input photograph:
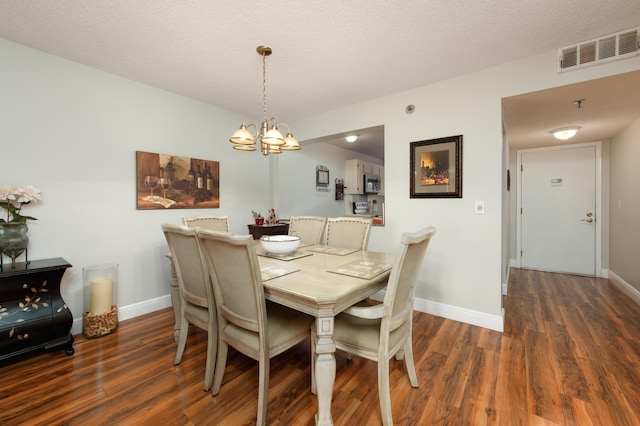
{"type": "Point", "coordinates": [436, 168]}
{"type": "Point", "coordinates": [322, 178]}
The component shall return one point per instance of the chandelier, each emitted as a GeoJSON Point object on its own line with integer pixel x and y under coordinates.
{"type": "Point", "coordinates": [271, 140]}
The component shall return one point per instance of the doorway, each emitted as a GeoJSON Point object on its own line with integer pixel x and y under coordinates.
{"type": "Point", "coordinates": [559, 209]}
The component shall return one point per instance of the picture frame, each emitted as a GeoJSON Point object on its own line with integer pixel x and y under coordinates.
{"type": "Point", "coordinates": [436, 168]}
{"type": "Point", "coordinates": [322, 177]}
{"type": "Point", "coordinates": [165, 181]}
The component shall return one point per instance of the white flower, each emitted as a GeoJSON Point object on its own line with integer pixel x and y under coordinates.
{"type": "Point", "coordinates": [7, 192]}
{"type": "Point", "coordinates": [12, 200]}
{"type": "Point", "coordinates": [28, 193]}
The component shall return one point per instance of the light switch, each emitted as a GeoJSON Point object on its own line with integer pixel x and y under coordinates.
{"type": "Point", "coordinates": [479, 208]}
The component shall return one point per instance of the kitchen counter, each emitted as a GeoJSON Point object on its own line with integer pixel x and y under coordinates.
{"type": "Point", "coordinates": [377, 219]}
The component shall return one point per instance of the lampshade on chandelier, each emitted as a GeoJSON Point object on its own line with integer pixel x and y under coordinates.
{"type": "Point", "coordinates": [271, 140]}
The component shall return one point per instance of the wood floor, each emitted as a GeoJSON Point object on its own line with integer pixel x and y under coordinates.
{"type": "Point", "coordinates": [569, 355]}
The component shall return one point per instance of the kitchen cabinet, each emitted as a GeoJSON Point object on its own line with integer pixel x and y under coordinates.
{"type": "Point", "coordinates": [353, 177]}
{"type": "Point", "coordinates": [32, 313]}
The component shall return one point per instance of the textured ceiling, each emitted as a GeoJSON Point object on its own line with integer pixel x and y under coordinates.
{"type": "Point", "coordinates": [327, 54]}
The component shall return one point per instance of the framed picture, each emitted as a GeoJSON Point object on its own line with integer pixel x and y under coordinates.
{"type": "Point", "coordinates": [172, 182]}
{"type": "Point", "coordinates": [322, 177]}
{"type": "Point", "coordinates": [436, 168]}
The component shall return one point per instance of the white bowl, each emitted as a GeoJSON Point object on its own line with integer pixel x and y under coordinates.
{"type": "Point", "coordinates": [279, 244]}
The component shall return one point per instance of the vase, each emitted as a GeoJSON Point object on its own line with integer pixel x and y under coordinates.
{"type": "Point", "coordinates": [13, 239]}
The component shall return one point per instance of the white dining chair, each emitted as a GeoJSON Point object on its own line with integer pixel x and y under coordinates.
{"type": "Point", "coordinates": [379, 332]}
{"type": "Point", "coordinates": [246, 321]}
{"type": "Point", "coordinates": [310, 229]}
{"type": "Point", "coordinates": [212, 223]}
{"type": "Point", "coordinates": [216, 223]}
{"type": "Point", "coordinates": [348, 232]}
{"type": "Point", "coordinates": [196, 294]}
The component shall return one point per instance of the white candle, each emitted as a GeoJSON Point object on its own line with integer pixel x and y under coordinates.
{"type": "Point", "coordinates": [100, 295]}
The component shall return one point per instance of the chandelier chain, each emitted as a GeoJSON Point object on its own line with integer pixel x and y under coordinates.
{"type": "Point", "coordinates": [264, 87]}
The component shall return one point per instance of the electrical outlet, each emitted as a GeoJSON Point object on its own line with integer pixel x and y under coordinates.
{"type": "Point", "coordinates": [479, 207]}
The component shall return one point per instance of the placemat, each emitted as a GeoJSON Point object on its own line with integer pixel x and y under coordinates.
{"type": "Point", "coordinates": [296, 254]}
{"type": "Point", "coordinates": [269, 272]}
{"type": "Point", "coordinates": [338, 251]}
{"type": "Point", "coordinates": [364, 269]}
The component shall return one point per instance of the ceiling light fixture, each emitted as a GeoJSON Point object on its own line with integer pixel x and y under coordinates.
{"type": "Point", "coordinates": [271, 140]}
{"type": "Point", "coordinates": [351, 138]}
{"type": "Point", "coordinates": [565, 133]}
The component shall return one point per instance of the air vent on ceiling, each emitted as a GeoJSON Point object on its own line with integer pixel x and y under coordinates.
{"type": "Point", "coordinates": [622, 45]}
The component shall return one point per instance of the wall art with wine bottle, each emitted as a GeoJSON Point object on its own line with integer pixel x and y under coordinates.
{"type": "Point", "coordinates": [172, 182]}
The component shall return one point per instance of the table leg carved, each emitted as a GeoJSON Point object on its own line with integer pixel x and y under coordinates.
{"type": "Point", "coordinates": [325, 368]}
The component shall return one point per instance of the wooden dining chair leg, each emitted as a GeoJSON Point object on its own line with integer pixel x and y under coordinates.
{"type": "Point", "coordinates": [408, 360]}
{"type": "Point", "coordinates": [263, 387]}
{"type": "Point", "coordinates": [221, 362]}
{"type": "Point", "coordinates": [212, 343]}
{"type": "Point", "coordinates": [182, 341]}
{"type": "Point", "coordinates": [384, 391]}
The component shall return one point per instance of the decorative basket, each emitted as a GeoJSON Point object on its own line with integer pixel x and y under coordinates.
{"type": "Point", "coordinates": [98, 325]}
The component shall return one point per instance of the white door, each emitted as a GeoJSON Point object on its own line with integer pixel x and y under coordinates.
{"type": "Point", "coordinates": [558, 209]}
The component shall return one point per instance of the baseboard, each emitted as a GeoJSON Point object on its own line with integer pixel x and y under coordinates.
{"type": "Point", "coordinates": [505, 284]}
{"type": "Point", "coordinates": [468, 316]}
{"type": "Point", "coordinates": [131, 311]}
{"type": "Point", "coordinates": [626, 288]}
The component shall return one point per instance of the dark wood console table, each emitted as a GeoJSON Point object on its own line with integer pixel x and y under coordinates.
{"type": "Point", "coordinates": [32, 313]}
{"type": "Point", "coordinates": [259, 230]}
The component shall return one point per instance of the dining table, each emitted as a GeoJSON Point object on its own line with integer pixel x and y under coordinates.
{"type": "Point", "coordinates": [322, 281]}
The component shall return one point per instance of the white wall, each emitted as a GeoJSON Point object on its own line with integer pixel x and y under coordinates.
{"type": "Point", "coordinates": [625, 206]}
{"type": "Point", "coordinates": [461, 278]}
{"type": "Point", "coordinates": [72, 131]}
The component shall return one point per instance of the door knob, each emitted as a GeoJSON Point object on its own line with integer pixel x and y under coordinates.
{"type": "Point", "coordinates": [587, 220]}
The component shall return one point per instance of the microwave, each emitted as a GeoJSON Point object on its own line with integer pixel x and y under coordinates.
{"type": "Point", "coordinates": [371, 183]}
